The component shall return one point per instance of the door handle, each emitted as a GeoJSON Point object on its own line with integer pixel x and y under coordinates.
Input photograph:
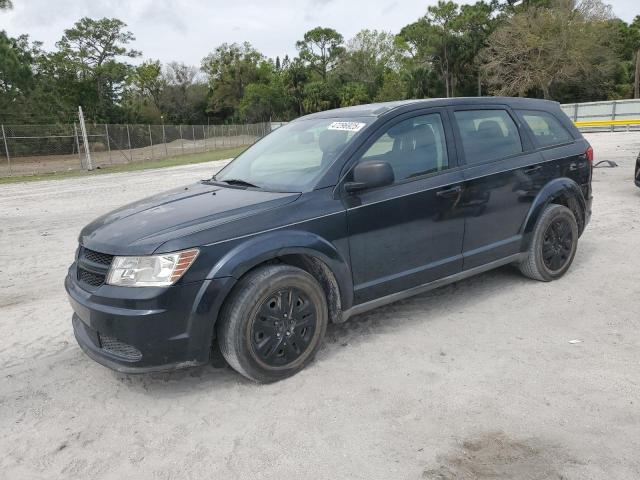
{"type": "Point", "coordinates": [449, 192]}
{"type": "Point", "coordinates": [532, 169]}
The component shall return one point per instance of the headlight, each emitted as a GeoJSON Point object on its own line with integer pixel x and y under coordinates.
{"type": "Point", "coordinates": [150, 271]}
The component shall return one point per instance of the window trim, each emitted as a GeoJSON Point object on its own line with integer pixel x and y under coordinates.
{"type": "Point", "coordinates": [525, 141]}
{"type": "Point", "coordinates": [519, 112]}
{"type": "Point", "coordinates": [449, 138]}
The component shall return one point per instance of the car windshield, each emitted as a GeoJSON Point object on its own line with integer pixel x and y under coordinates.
{"type": "Point", "coordinates": [295, 156]}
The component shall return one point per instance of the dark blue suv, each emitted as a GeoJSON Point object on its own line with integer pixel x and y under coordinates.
{"type": "Point", "coordinates": [329, 216]}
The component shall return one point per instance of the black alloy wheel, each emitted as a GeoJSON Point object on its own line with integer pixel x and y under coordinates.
{"type": "Point", "coordinates": [553, 244]}
{"type": "Point", "coordinates": [283, 327]}
{"type": "Point", "coordinates": [273, 322]}
{"type": "Point", "coordinates": [557, 244]}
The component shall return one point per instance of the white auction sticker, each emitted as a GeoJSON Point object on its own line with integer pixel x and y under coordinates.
{"type": "Point", "coordinates": [347, 126]}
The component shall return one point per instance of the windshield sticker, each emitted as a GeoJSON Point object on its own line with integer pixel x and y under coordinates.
{"type": "Point", "coordinates": [347, 126]}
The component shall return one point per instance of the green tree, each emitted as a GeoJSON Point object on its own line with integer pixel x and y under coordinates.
{"type": "Point", "coordinates": [150, 82]}
{"type": "Point", "coordinates": [628, 50]}
{"type": "Point", "coordinates": [229, 69]}
{"type": "Point", "coordinates": [320, 95]}
{"type": "Point", "coordinates": [474, 24]}
{"type": "Point", "coordinates": [295, 77]}
{"type": "Point", "coordinates": [368, 56]}
{"type": "Point", "coordinates": [432, 43]}
{"type": "Point", "coordinates": [267, 101]}
{"type": "Point", "coordinates": [90, 51]}
{"type": "Point", "coordinates": [394, 87]}
{"type": "Point", "coordinates": [354, 93]}
{"type": "Point", "coordinates": [320, 49]}
{"type": "Point", "coordinates": [16, 64]}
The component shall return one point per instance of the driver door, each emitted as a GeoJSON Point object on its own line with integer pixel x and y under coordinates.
{"type": "Point", "coordinates": [411, 232]}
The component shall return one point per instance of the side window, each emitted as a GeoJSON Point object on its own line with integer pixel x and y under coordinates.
{"type": "Point", "coordinates": [546, 128]}
{"type": "Point", "coordinates": [487, 135]}
{"type": "Point", "coordinates": [413, 147]}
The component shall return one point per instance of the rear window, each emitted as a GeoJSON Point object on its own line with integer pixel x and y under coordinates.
{"type": "Point", "coordinates": [546, 128]}
{"type": "Point", "coordinates": [487, 135]}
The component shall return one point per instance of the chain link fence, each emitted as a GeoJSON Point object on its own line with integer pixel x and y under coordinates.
{"type": "Point", "coordinates": [35, 149]}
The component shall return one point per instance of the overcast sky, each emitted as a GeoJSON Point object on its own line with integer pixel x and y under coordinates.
{"type": "Point", "coordinates": [186, 30]}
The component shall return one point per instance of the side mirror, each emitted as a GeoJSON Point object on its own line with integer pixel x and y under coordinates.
{"type": "Point", "coordinates": [370, 175]}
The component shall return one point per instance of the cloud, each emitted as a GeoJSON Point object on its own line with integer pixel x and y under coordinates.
{"type": "Point", "coordinates": [187, 30]}
{"type": "Point", "coordinates": [389, 8]}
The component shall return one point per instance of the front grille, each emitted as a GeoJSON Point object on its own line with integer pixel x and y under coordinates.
{"type": "Point", "coordinates": [90, 278]}
{"type": "Point", "coordinates": [121, 349]}
{"type": "Point", "coordinates": [93, 267]}
{"type": "Point", "coordinates": [96, 257]}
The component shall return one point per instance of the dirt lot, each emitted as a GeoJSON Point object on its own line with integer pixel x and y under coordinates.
{"type": "Point", "coordinates": [35, 165]}
{"type": "Point", "coordinates": [475, 380]}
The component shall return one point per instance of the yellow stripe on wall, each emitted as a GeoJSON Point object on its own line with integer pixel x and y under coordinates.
{"type": "Point", "coordinates": [607, 123]}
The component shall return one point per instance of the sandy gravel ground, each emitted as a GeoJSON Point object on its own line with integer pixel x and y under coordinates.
{"type": "Point", "coordinates": [475, 380]}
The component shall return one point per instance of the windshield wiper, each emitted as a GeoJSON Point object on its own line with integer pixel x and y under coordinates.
{"type": "Point", "coordinates": [240, 183]}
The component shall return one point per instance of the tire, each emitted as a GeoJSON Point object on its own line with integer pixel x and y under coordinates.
{"type": "Point", "coordinates": [273, 323]}
{"type": "Point", "coordinates": [553, 246]}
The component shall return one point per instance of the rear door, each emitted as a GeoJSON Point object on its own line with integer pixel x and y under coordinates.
{"type": "Point", "coordinates": [502, 173]}
{"type": "Point", "coordinates": [565, 157]}
{"type": "Point", "coordinates": [409, 233]}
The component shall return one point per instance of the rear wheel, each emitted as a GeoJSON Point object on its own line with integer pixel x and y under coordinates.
{"type": "Point", "coordinates": [273, 323]}
{"type": "Point", "coordinates": [554, 245]}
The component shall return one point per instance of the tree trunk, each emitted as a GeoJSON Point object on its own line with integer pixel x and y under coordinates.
{"type": "Point", "coordinates": [636, 89]}
{"type": "Point", "coordinates": [479, 84]}
{"type": "Point", "coordinates": [545, 92]}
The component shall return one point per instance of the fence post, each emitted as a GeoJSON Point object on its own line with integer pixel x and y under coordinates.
{"type": "Point", "coordinates": [613, 115]}
{"type": "Point", "coordinates": [204, 136]}
{"type": "Point", "coordinates": [6, 149]}
{"type": "Point", "coordinates": [164, 140]}
{"type": "Point", "coordinates": [106, 132]}
{"type": "Point", "coordinates": [129, 141]}
{"type": "Point", "coordinates": [181, 139]}
{"type": "Point", "coordinates": [151, 141]}
{"type": "Point", "coordinates": [75, 129]}
{"type": "Point", "coordinates": [193, 136]}
{"type": "Point", "coordinates": [575, 112]}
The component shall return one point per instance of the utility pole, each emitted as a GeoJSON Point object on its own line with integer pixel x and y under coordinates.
{"type": "Point", "coordinates": [85, 139]}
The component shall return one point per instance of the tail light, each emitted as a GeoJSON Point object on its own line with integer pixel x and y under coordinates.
{"type": "Point", "coordinates": [589, 154]}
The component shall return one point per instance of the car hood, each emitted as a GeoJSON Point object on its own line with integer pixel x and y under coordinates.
{"type": "Point", "coordinates": [141, 227]}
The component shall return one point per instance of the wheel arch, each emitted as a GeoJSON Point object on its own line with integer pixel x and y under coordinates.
{"type": "Point", "coordinates": [561, 191]}
{"type": "Point", "coordinates": [304, 250]}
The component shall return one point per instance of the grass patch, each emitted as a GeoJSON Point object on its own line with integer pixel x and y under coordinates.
{"type": "Point", "coordinates": [131, 167]}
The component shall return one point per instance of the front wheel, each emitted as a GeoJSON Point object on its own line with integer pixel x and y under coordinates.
{"type": "Point", "coordinates": [273, 323]}
{"type": "Point", "coordinates": [554, 245]}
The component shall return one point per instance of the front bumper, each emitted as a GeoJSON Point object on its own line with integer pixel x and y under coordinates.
{"type": "Point", "coordinates": [141, 330]}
